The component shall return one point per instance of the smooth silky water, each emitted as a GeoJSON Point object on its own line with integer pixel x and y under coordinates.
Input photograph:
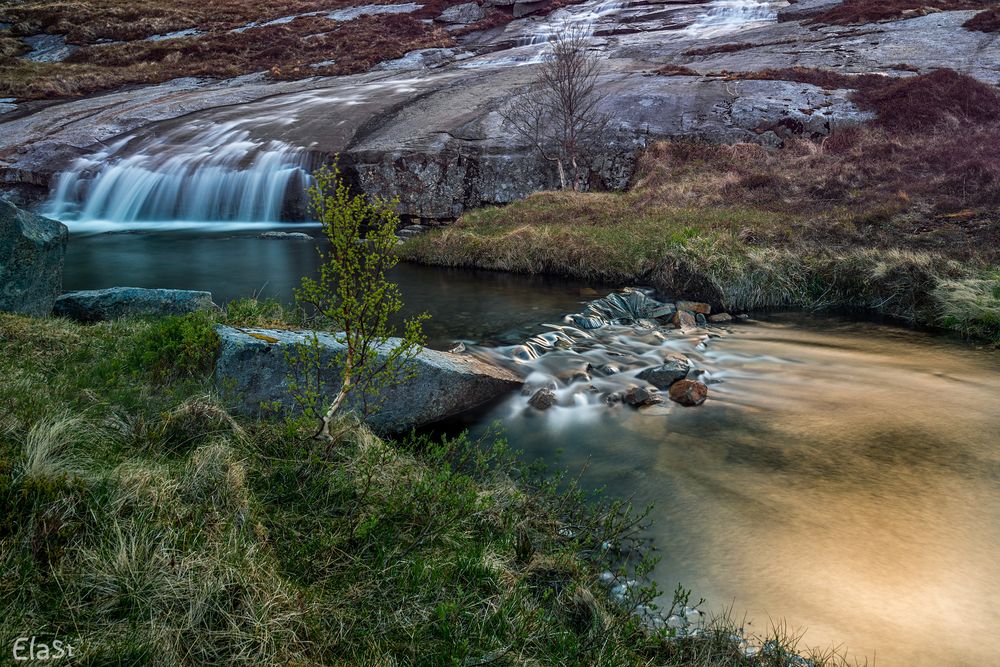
{"type": "Point", "coordinates": [844, 476]}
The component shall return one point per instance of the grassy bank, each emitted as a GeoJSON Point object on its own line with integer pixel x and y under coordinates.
{"type": "Point", "coordinates": [144, 525]}
{"type": "Point", "coordinates": [900, 217]}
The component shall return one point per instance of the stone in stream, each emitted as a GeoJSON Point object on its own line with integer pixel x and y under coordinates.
{"type": "Point", "coordinates": [543, 399]}
{"type": "Point", "coordinates": [252, 373]}
{"type": "Point", "coordinates": [32, 250]}
{"type": "Point", "coordinates": [684, 320]}
{"type": "Point", "coordinates": [667, 310]}
{"type": "Point", "coordinates": [688, 393]}
{"type": "Point", "coordinates": [694, 307]}
{"type": "Point", "coordinates": [114, 302]}
{"type": "Point", "coordinates": [667, 373]}
{"type": "Point", "coordinates": [289, 236]}
{"type": "Point", "coordinates": [639, 397]}
{"type": "Point", "coordinates": [607, 369]}
{"type": "Point", "coordinates": [720, 318]}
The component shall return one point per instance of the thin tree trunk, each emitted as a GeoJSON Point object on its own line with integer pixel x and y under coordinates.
{"type": "Point", "coordinates": [324, 431]}
{"type": "Point", "coordinates": [562, 174]}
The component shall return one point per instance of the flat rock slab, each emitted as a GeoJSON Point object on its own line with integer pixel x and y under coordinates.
{"type": "Point", "coordinates": [252, 373]}
{"type": "Point", "coordinates": [32, 252]}
{"type": "Point", "coordinates": [115, 302]}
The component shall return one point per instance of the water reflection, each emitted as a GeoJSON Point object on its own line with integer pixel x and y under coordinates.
{"type": "Point", "coordinates": [468, 305]}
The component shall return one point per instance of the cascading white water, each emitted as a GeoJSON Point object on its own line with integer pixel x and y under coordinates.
{"type": "Point", "coordinates": [593, 358]}
{"type": "Point", "coordinates": [724, 16]}
{"type": "Point", "coordinates": [577, 19]}
{"type": "Point", "coordinates": [189, 174]}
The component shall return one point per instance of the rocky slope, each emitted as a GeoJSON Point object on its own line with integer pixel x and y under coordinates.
{"type": "Point", "coordinates": [427, 127]}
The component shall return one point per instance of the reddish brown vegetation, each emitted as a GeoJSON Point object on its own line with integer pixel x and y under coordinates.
{"type": "Point", "coordinates": [720, 48]}
{"type": "Point", "coordinates": [87, 21]}
{"type": "Point", "coordinates": [872, 11]}
{"type": "Point", "coordinates": [824, 78]}
{"type": "Point", "coordinates": [943, 98]}
{"type": "Point", "coordinates": [925, 175]}
{"type": "Point", "coordinates": [285, 50]}
{"type": "Point", "coordinates": [675, 70]}
{"type": "Point", "coordinates": [903, 104]}
{"type": "Point", "coordinates": [988, 21]}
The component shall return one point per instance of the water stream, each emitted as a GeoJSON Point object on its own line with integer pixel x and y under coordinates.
{"type": "Point", "coordinates": [843, 476]}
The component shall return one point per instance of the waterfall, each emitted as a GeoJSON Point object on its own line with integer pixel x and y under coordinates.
{"type": "Point", "coordinates": [194, 173]}
{"type": "Point", "coordinates": [725, 16]}
{"type": "Point", "coordinates": [579, 19]}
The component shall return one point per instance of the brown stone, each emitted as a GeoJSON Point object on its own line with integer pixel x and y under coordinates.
{"type": "Point", "coordinates": [721, 318]}
{"type": "Point", "coordinates": [688, 393]}
{"type": "Point", "coordinates": [694, 307]}
{"type": "Point", "coordinates": [684, 319]}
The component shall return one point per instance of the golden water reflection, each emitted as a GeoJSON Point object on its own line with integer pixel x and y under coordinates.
{"type": "Point", "coordinates": [844, 477]}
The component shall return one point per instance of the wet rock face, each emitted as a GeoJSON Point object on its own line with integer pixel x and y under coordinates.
{"type": "Point", "coordinates": [252, 371]}
{"type": "Point", "coordinates": [48, 48]}
{"type": "Point", "coordinates": [115, 302]}
{"type": "Point", "coordinates": [32, 251]}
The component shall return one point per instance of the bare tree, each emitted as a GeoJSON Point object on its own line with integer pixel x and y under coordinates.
{"type": "Point", "coordinates": [559, 113]}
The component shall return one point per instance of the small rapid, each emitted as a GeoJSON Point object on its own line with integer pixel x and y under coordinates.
{"type": "Point", "coordinates": [591, 361]}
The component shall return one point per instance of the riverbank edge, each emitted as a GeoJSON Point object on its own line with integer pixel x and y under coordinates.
{"type": "Point", "coordinates": [680, 257]}
{"type": "Point", "coordinates": [180, 534]}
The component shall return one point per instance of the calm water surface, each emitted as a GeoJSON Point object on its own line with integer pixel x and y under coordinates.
{"type": "Point", "coordinates": [843, 476]}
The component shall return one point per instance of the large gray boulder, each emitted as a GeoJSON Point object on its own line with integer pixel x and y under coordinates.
{"type": "Point", "coordinates": [115, 302]}
{"type": "Point", "coordinates": [252, 372]}
{"type": "Point", "coordinates": [32, 251]}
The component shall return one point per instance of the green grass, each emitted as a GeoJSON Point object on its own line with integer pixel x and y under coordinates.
{"type": "Point", "coordinates": [144, 524]}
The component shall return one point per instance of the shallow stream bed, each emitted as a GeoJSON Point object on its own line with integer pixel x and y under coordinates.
{"type": "Point", "coordinates": [843, 476]}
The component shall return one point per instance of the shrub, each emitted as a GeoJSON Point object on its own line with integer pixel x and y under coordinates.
{"type": "Point", "coordinates": [177, 347]}
{"type": "Point", "coordinates": [922, 102]}
{"type": "Point", "coordinates": [988, 21]}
